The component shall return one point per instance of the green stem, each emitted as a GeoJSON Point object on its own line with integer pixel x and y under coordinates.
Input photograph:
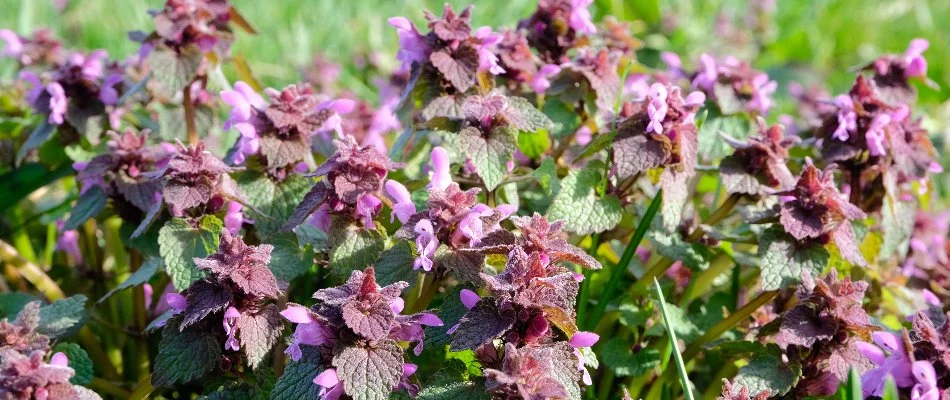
{"type": "Point", "coordinates": [139, 319]}
{"type": "Point", "coordinates": [20, 238]}
{"type": "Point", "coordinates": [103, 386]}
{"type": "Point", "coordinates": [32, 272]}
{"type": "Point", "coordinates": [732, 320]}
{"type": "Point", "coordinates": [142, 390]}
{"type": "Point", "coordinates": [628, 253]}
{"type": "Point", "coordinates": [582, 303]}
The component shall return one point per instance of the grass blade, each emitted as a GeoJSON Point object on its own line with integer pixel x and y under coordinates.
{"type": "Point", "coordinates": [680, 367]}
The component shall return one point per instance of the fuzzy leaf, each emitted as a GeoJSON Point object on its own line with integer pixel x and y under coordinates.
{"type": "Point", "coordinates": [484, 322]}
{"type": "Point", "coordinates": [140, 276]}
{"type": "Point", "coordinates": [768, 373]}
{"type": "Point", "coordinates": [89, 205]}
{"type": "Point", "coordinates": [277, 200]}
{"type": "Point", "coordinates": [281, 153]}
{"type": "Point", "coordinates": [784, 260]}
{"type": "Point", "coordinates": [63, 317]}
{"type": "Point", "coordinates": [184, 356]}
{"type": "Point", "coordinates": [681, 323]}
{"type": "Point", "coordinates": [395, 265]}
{"type": "Point", "coordinates": [637, 153]}
{"type": "Point", "coordinates": [353, 247]}
{"type": "Point", "coordinates": [617, 355]}
{"type": "Point", "coordinates": [578, 204]}
{"type": "Point", "coordinates": [898, 224]}
{"type": "Point", "coordinates": [525, 117]}
{"type": "Point", "coordinates": [450, 383]}
{"type": "Point", "coordinates": [458, 68]}
{"type": "Point", "coordinates": [205, 297]}
{"type": "Point", "coordinates": [310, 202]}
{"type": "Point", "coordinates": [79, 361]}
{"type": "Point", "coordinates": [288, 259]}
{"type": "Point", "coordinates": [173, 70]}
{"type": "Point", "coordinates": [179, 244]}
{"type": "Point", "coordinates": [451, 311]}
{"type": "Point", "coordinates": [372, 322]}
{"type": "Point", "coordinates": [673, 247]}
{"type": "Point", "coordinates": [297, 380]}
{"type": "Point", "coordinates": [259, 332]}
{"type": "Point", "coordinates": [489, 154]}
{"type": "Point", "coordinates": [546, 174]}
{"type": "Point", "coordinates": [369, 373]}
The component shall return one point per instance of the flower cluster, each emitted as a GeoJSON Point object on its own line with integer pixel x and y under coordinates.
{"type": "Point", "coordinates": [558, 26]}
{"type": "Point", "coordinates": [359, 324]}
{"type": "Point", "coordinates": [194, 181]}
{"type": "Point", "coordinates": [893, 73]}
{"type": "Point", "coordinates": [734, 85]}
{"type": "Point", "coordinates": [183, 23]}
{"type": "Point", "coordinates": [42, 49]}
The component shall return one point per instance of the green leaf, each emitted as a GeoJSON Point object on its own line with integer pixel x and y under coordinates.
{"type": "Point", "coordinates": [275, 199]}
{"type": "Point", "coordinates": [672, 246]}
{"type": "Point", "coordinates": [63, 317]}
{"type": "Point", "coordinates": [297, 380]}
{"type": "Point", "coordinates": [898, 224]}
{"type": "Point", "coordinates": [37, 137]}
{"type": "Point", "coordinates": [11, 303]}
{"type": "Point", "coordinates": [452, 382]}
{"type": "Point", "coordinates": [369, 373]}
{"type": "Point", "coordinates": [179, 244]}
{"type": "Point", "coordinates": [89, 205]}
{"type": "Point", "coordinates": [617, 355]}
{"type": "Point", "coordinates": [579, 205]}
{"type": "Point", "coordinates": [671, 333]}
{"type": "Point", "coordinates": [289, 260]}
{"type": "Point", "coordinates": [490, 155]}
{"type": "Point", "coordinates": [184, 356]}
{"type": "Point", "coordinates": [890, 390]}
{"type": "Point", "coordinates": [546, 174]}
{"type": "Point", "coordinates": [140, 276]}
{"type": "Point", "coordinates": [24, 180]}
{"type": "Point", "coordinates": [784, 260]}
{"type": "Point", "coordinates": [711, 145]}
{"type": "Point", "coordinates": [174, 70]}
{"type": "Point", "coordinates": [395, 264]}
{"type": "Point", "coordinates": [79, 361]}
{"type": "Point", "coordinates": [682, 324]}
{"type": "Point", "coordinates": [768, 372]}
{"type": "Point", "coordinates": [851, 390]}
{"type": "Point", "coordinates": [450, 312]}
{"type": "Point", "coordinates": [525, 117]}
{"type": "Point", "coordinates": [353, 247]}
{"type": "Point", "coordinates": [534, 144]}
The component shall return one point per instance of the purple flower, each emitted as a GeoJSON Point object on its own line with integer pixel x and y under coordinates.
{"type": "Point", "coordinates": [245, 103]}
{"type": "Point", "coordinates": [540, 82]}
{"type": "Point", "coordinates": [488, 61]}
{"type": "Point", "coordinates": [896, 363]}
{"type": "Point", "coordinates": [706, 74]}
{"type": "Point", "coordinates": [321, 218]}
{"type": "Point", "coordinates": [926, 387]}
{"type": "Point", "coordinates": [175, 301]}
{"type": "Point", "coordinates": [69, 242]}
{"type": "Point", "coordinates": [14, 44]}
{"type": "Point", "coordinates": [403, 207]}
{"type": "Point", "coordinates": [234, 218]}
{"type": "Point", "coordinates": [916, 63]}
{"type": "Point", "coordinates": [59, 360]}
{"type": "Point", "coordinates": [230, 320]}
{"type": "Point", "coordinates": [657, 108]}
{"type": "Point", "coordinates": [309, 331]}
{"type": "Point", "coordinates": [762, 90]}
{"type": "Point", "coordinates": [426, 244]}
{"type": "Point", "coordinates": [673, 63]}
{"type": "Point", "coordinates": [412, 46]}
{"type": "Point", "coordinates": [876, 135]}
{"type": "Point", "coordinates": [107, 93]}
{"type": "Point", "coordinates": [469, 298]}
{"type": "Point", "coordinates": [367, 206]}
{"type": "Point", "coordinates": [329, 382]}
{"type": "Point", "coordinates": [637, 86]}
{"type": "Point", "coordinates": [847, 118]}
{"type": "Point", "coordinates": [580, 19]}
{"type": "Point", "coordinates": [335, 122]}
{"type": "Point", "coordinates": [57, 103]}
{"type": "Point", "coordinates": [583, 136]}
{"type": "Point", "coordinates": [581, 340]}
{"type": "Point", "coordinates": [91, 65]}
{"type": "Point", "coordinates": [440, 178]}
{"type": "Point", "coordinates": [471, 226]}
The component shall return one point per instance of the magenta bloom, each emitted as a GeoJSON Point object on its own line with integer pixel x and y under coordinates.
{"type": "Point", "coordinates": [412, 46]}
{"type": "Point", "coordinates": [329, 382]}
{"type": "Point", "coordinates": [234, 218]}
{"type": "Point", "coordinates": [540, 82]}
{"type": "Point", "coordinates": [59, 360]}
{"type": "Point", "coordinates": [309, 331]}
{"type": "Point", "coordinates": [895, 363]}
{"type": "Point", "coordinates": [580, 19]}
{"type": "Point", "coordinates": [469, 298]}
{"type": "Point", "coordinates": [69, 242]}
{"type": "Point", "coordinates": [403, 207]}
{"type": "Point", "coordinates": [321, 218]}
{"type": "Point", "coordinates": [57, 103]}
{"type": "Point", "coordinates": [230, 320]}
{"type": "Point", "coordinates": [471, 226]}
{"type": "Point", "coordinates": [108, 93]}
{"type": "Point", "coordinates": [439, 177]}
{"type": "Point", "coordinates": [583, 340]}
{"type": "Point", "coordinates": [913, 57]}
{"type": "Point", "coordinates": [706, 74]}
{"type": "Point", "coordinates": [926, 387]}
{"type": "Point", "coordinates": [426, 243]}
{"type": "Point", "coordinates": [763, 88]}
{"type": "Point", "coordinates": [245, 103]}
{"type": "Point", "coordinates": [876, 135]}
{"type": "Point", "coordinates": [14, 45]}
{"type": "Point", "coordinates": [488, 61]}
{"type": "Point", "coordinates": [367, 206]}
{"type": "Point", "coordinates": [657, 108]}
{"type": "Point", "coordinates": [847, 118]}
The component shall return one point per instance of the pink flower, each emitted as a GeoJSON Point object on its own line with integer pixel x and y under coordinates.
{"type": "Point", "coordinates": [176, 301]}
{"type": "Point", "coordinates": [673, 62]}
{"type": "Point", "coordinates": [540, 82]}
{"type": "Point", "coordinates": [583, 135]}
{"type": "Point", "coordinates": [68, 242]}
{"type": "Point", "coordinates": [412, 46]}
{"type": "Point", "coordinates": [440, 177]}
{"type": "Point", "coordinates": [329, 382]}
{"type": "Point", "coordinates": [488, 61]}
{"type": "Point", "coordinates": [469, 298]}
{"type": "Point", "coordinates": [230, 321]}
{"type": "Point", "coordinates": [657, 108]}
{"type": "Point", "coordinates": [471, 226]}
{"type": "Point", "coordinates": [403, 207]}
{"type": "Point", "coordinates": [426, 245]}
{"type": "Point", "coordinates": [57, 103]}
{"type": "Point", "coordinates": [580, 19]}
{"type": "Point", "coordinates": [14, 45]}
{"type": "Point", "coordinates": [92, 65]}
{"type": "Point", "coordinates": [321, 218]}
{"type": "Point", "coordinates": [581, 340]}
{"type": "Point", "coordinates": [896, 363]}
{"type": "Point", "coordinates": [876, 135]}
{"type": "Point", "coordinates": [913, 57]}
{"type": "Point", "coordinates": [926, 387]}
{"type": "Point", "coordinates": [847, 118]}
{"type": "Point", "coordinates": [107, 93]}
{"type": "Point", "coordinates": [309, 331]}
{"type": "Point", "coordinates": [637, 86]}
{"type": "Point", "coordinates": [367, 206]}
{"type": "Point", "coordinates": [706, 74]}
{"type": "Point", "coordinates": [245, 103]}
{"type": "Point", "coordinates": [335, 122]}
{"type": "Point", "coordinates": [59, 360]}
{"type": "Point", "coordinates": [763, 88]}
{"type": "Point", "coordinates": [234, 218]}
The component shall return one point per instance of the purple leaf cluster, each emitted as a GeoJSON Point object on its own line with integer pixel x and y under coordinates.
{"type": "Point", "coordinates": [360, 324]}
{"type": "Point", "coordinates": [195, 182]}
{"type": "Point", "coordinates": [734, 391]}
{"type": "Point", "coordinates": [123, 171]}
{"type": "Point", "coordinates": [758, 163]}
{"type": "Point", "coordinates": [734, 85]}
{"type": "Point", "coordinates": [558, 26]}
{"type": "Point", "coordinates": [200, 23]}
{"type": "Point", "coordinates": [533, 372]}
{"type": "Point", "coordinates": [41, 49]}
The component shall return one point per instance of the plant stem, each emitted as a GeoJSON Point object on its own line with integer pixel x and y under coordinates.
{"type": "Point", "coordinates": [728, 323]}
{"type": "Point", "coordinates": [139, 319]}
{"type": "Point", "coordinates": [90, 343]}
{"type": "Point", "coordinates": [103, 386]}
{"type": "Point", "coordinates": [628, 253]}
{"type": "Point", "coordinates": [583, 301]}
{"type": "Point", "coordinates": [142, 390]}
{"type": "Point", "coordinates": [189, 107]}
{"type": "Point", "coordinates": [32, 272]}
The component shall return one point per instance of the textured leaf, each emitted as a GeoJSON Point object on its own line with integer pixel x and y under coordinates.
{"type": "Point", "coordinates": [37, 137]}
{"type": "Point", "coordinates": [546, 174]}
{"type": "Point", "coordinates": [281, 153]}
{"type": "Point", "coordinates": [617, 355]}
{"type": "Point", "coordinates": [525, 117]}
{"type": "Point", "coordinates": [353, 248]}
{"type": "Point", "coordinates": [637, 153]}
{"type": "Point", "coordinates": [204, 298]}
{"type": "Point", "coordinates": [768, 372]}
{"type": "Point", "coordinates": [898, 224]}
{"type": "Point", "coordinates": [140, 276]}
{"type": "Point", "coordinates": [259, 332]}
{"type": "Point", "coordinates": [369, 373]}
{"type": "Point", "coordinates": [710, 143]}
{"type": "Point", "coordinates": [12, 302]}
{"type": "Point", "coordinates": [310, 202]}
{"type": "Point", "coordinates": [784, 260]}
{"type": "Point", "coordinates": [297, 381]}
{"type": "Point", "coordinates": [458, 68]}
{"type": "Point", "coordinates": [275, 199]}
{"type": "Point", "coordinates": [288, 259]}
{"type": "Point", "coordinates": [489, 155]}
{"type": "Point", "coordinates": [79, 361]}
{"type": "Point", "coordinates": [372, 322]}
{"type": "Point", "coordinates": [172, 70]}
{"type": "Point", "coordinates": [86, 393]}
{"type": "Point", "coordinates": [484, 322]}
{"type": "Point", "coordinates": [444, 106]}
{"type": "Point", "coordinates": [673, 247]}
{"type": "Point", "coordinates": [89, 205]}
{"type": "Point", "coordinates": [63, 317]}
{"type": "Point", "coordinates": [450, 383]}
{"type": "Point", "coordinates": [179, 244]}
{"type": "Point", "coordinates": [578, 204]}
{"type": "Point", "coordinates": [395, 265]}
{"type": "Point", "coordinates": [184, 356]}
